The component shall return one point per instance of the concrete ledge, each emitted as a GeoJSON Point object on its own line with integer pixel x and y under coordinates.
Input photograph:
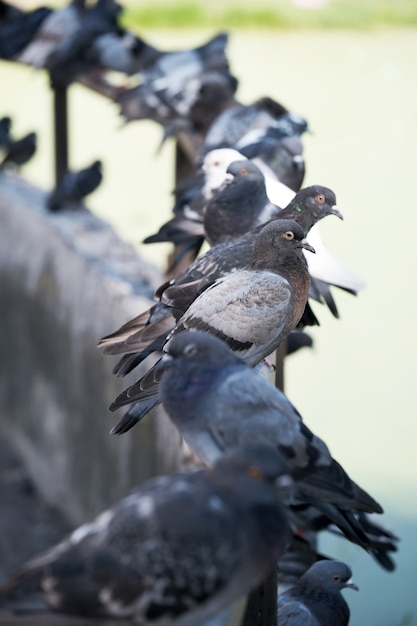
{"type": "Point", "coordinates": [65, 281]}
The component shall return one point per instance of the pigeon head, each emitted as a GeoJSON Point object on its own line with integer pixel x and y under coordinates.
{"type": "Point", "coordinates": [330, 575]}
{"type": "Point", "coordinates": [258, 469]}
{"type": "Point", "coordinates": [244, 168]}
{"type": "Point", "coordinates": [313, 203]}
{"type": "Point", "coordinates": [192, 347]}
{"type": "Point", "coordinates": [281, 240]}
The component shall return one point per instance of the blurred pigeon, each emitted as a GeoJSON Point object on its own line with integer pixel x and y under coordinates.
{"type": "Point", "coordinates": [9, 13]}
{"type": "Point", "coordinates": [218, 402]}
{"type": "Point", "coordinates": [59, 25]}
{"type": "Point", "coordinates": [264, 129]}
{"type": "Point", "coordinates": [147, 332]}
{"type": "Point", "coordinates": [17, 33]}
{"type": "Point", "coordinates": [69, 59]}
{"type": "Point", "coordinates": [5, 125]}
{"type": "Point", "coordinates": [75, 186]}
{"type": "Point", "coordinates": [315, 600]}
{"type": "Point", "coordinates": [253, 309]}
{"type": "Point", "coordinates": [183, 90]}
{"type": "Point", "coordinates": [20, 151]}
{"type": "Point", "coordinates": [177, 550]}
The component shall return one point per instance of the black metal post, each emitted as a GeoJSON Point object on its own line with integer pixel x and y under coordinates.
{"type": "Point", "coordinates": [60, 95]}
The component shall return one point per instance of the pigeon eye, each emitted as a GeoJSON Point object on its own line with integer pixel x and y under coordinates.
{"type": "Point", "coordinates": [320, 198]}
{"type": "Point", "coordinates": [244, 171]}
{"type": "Point", "coordinates": [190, 350]}
{"type": "Point", "coordinates": [288, 235]}
{"type": "Point", "coordinates": [336, 578]}
{"type": "Point", "coordinates": [255, 472]}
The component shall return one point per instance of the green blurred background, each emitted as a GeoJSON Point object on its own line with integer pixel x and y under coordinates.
{"type": "Point", "coordinates": [350, 68]}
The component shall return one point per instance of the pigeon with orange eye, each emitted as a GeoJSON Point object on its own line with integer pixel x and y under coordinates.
{"type": "Point", "coordinates": [316, 599]}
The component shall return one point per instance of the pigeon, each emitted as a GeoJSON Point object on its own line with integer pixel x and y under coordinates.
{"type": "Point", "coordinates": [17, 33]}
{"type": "Point", "coordinates": [315, 600]}
{"type": "Point", "coordinates": [147, 332]}
{"type": "Point", "coordinates": [74, 186]}
{"type": "Point", "coordinates": [264, 129]}
{"type": "Point", "coordinates": [75, 55]}
{"type": "Point", "coordinates": [19, 151]}
{"type": "Point", "coordinates": [190, 225]}
{"type": "Point", "coordinates": [56, 28]}
{"type": "Point", "coordinates": [5, 125]}
{"type": "Point", "coordinates": [178, 550]}
{"type": "Point", "coordinates": [217, 401]}
{"type": "Point", "coordinates": [184, 89]}
{"type": "Point", "coordinates": [253, 309]}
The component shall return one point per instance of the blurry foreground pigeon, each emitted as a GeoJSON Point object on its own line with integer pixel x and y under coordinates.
{"type": "Point", "coordinates": [253, 309]}
{"type": "Point", "coordinates": [75, 186]}
{"type": "Point", "coordinates": [176, 551]}
{"type": "Point", "coordinates": [316, 599]}
{"type": "Point", "coordinates": [19, 151]}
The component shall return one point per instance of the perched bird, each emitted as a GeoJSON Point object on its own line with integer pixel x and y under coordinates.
{"type": "Point", "coordinates": [231, 202]}
{"type": "Point", "coordinates": [5, 125]}
{"type": "Point", "coordinates": [184, 89]}
{"type": "Point", "coordinates": [75, 186]}
{"type": "Point", "coordinates": [253, 309]}
{"type": "Point", "coordinates": [148, 331]}
{"type": "Point", "coordinates": [70, 58]}
{"type": "Point", "coordinates": [218, 402]}
{"type": "Point", "coordinates": [17, 33]}
{"type": "Point", "coordinates": [315, 600]}
{"type": "Point", "coordinates": [263, 129]}
{"type": "Point", "coordinates": [56, 28]}
{"type": "Point", "coordinates": [20, 151]}
{"type": "Point", "coordinates": [176, 551]}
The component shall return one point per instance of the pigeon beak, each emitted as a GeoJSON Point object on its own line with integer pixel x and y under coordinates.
{"type": "Point", "coordinates": [335, 211]}
{"type": "Point", "coordinates": [351, 585]}
{"type": "Point", "coordinates": [304, 244]}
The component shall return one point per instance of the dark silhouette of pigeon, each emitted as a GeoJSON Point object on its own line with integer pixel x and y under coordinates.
{"type": "Point", "coordinates": [75, 186]}
{"type": "Point", "coordinates": [147, 332]}
{"type": "Point", "coordinates": [253, 309]}
{"type": "Point", "coordinates": [184, 89]}
{"type": "Point", "coordinates": [54, 30]}
{"type": "Point", "coordinates": [5, 125]}
{"type": "Point", "coordinates": [19, 151]}
{"type": "Point", "coordinates": [176, 551]}
{"type": "Point", "coordinates": [316, 599]}
{"type": "Point", "coordinates": [17, 33]}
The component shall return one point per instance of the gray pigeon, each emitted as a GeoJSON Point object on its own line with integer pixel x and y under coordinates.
{"type": "Point", "coordinates": [315, 600]}
{"type": "Point", "coordinates": [176, 551]}
{"type": "Point", "coordinates": [147, 332]}
{"type": "Point", "coordinates": [217, 402]}
{"type": "Point", "coordinates": [253, 309]}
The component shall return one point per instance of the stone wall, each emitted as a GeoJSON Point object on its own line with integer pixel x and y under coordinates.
{"type": "Point", "coordinates": [65, 281]}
